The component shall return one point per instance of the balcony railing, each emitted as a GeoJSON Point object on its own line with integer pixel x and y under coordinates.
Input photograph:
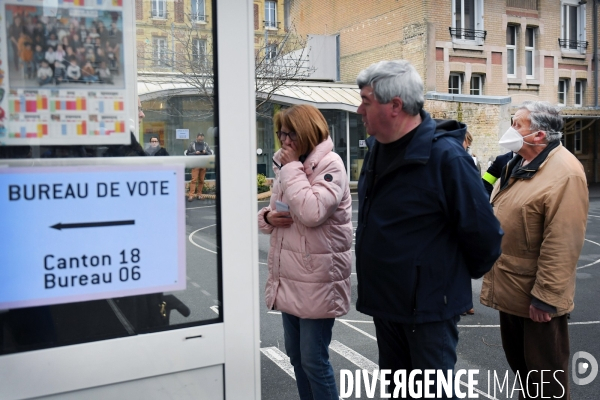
{"type": "Point", "coordinates": [271, 24]}
{"type": "Point", "coordinates": [468, 34]}
{"type": "Point", "coordinates": [157, 13]}
{"type": "Point", "coordinates": [526, 4]}
{"type": "Point", "coordinates": [572, 44]}
{"type": "Point", "coordinates": [199, 17]}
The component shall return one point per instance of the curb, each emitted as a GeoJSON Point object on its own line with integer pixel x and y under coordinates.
{"type": "Point", "coordinates": [260, 196]}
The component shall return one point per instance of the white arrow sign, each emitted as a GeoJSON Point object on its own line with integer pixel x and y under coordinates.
{"type": "Point", "coordinates": [85, 233]}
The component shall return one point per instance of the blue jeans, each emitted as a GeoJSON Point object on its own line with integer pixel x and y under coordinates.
{"type": "Point", "coordinates": [422, 346]}
{"type": "Point", "coordinates": [307, 345]}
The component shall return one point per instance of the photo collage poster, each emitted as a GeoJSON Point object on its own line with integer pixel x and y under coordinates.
{"type": "Point", "coordinates": [67, 72]}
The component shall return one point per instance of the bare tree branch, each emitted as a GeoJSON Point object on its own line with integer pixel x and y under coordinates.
{"type": "Point", "coordinates": [181, 56]}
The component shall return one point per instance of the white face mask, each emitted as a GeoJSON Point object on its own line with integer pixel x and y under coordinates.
{"type": "Point", "coordinates": [513, 141]}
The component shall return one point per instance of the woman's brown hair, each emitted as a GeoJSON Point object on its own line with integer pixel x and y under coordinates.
{"type": "Point", "coordinates": [307, 122]}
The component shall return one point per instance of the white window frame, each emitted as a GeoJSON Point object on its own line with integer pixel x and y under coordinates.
{"type": "Point", "coordinates": [270, 14]}
{"type": "Point", "coordinates": [577, 138]}
{"type": "Point", "coordinates": [565, 91]}
{"type": "Point", "coordinates": [478, 21]}
{"type": "Point", "coordinates": [530, 50]}
{"type": "Point", "coordinates": [159, 9]}
{"type": "Point", "coordinates": [476, 78]}
{"type": "Point", "coordinates": [455, 75]}
{"type": "Point", "coordinates": [512, 47]}
{"type": "Point", "coordinates": [271, 52]}
{"type": "Point", "coordinates": [580, 35]}
{"type": "Point", "coordinates": [198, 11]}
{"type": "Point", "coordinates": [160, 51]}
{"type": "Point", "coordinates": [579, 92]}
{"type": "Point", "coordinates": [199, 51]}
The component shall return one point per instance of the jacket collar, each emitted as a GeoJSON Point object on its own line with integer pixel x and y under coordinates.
{"type": "Point", "coordinates": [322, 149]}
{"type": "Point", "coordinates": [418, 150]}
{"type": "Point", "coordinates": [514, 169]}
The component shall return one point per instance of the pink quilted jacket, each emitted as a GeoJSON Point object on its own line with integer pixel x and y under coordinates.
{"type": "Point", "coordinates": [310, 262]}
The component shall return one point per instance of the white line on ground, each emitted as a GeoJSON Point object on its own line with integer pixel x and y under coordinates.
{"type": "Point", "coordinates": [262, 263]}
{"type": "Point", "coordinates": [205, 292]}
{"type": "Point", "coordinates": [195, 284]}
{"type": "Point", "coordinates": [359, 330]}
{"type": "Point", "coordinates": [479, 391]}
{"type": "Point", "coordinates": [124, 321]}
{"type": "Point", "coordinates": [591, 215]}
{"type": "Point", "coordinates": [188, 278]}
{"type": "Point", "coordinates": [274, 312]}
{"type": "Point", "coordinates": [215, 309]}
{"type": "Point", "coordinates": [595, 262]}
{"type": "Point", "coordinates": [197, 245]}
{"type": "Point", "coordinates": [355, 358]}
{"type": "Point", "coordinates": [280, 359]}
{"type": "Point", "coordinates": [478, 326]}
{"type": "Point", "coordinates": [194, 208]}
{"type": "Point", "coordinates": [354, 321]}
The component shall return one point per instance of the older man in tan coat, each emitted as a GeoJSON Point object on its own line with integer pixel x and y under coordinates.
{"type": "Point", "coordinates": [541, 201]}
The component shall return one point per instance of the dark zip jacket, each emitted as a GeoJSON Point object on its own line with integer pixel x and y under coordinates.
{"type": "Point", "coordinates": [425, 228]}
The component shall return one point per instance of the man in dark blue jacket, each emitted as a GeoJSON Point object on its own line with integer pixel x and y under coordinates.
{"type": "Point", "coordinates": [425, 225]}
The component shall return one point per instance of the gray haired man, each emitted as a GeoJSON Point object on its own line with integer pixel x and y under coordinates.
{"type": "Point", "coordinates": [425, 225]}
{"type": "Point", "coordinates": [541, 201]}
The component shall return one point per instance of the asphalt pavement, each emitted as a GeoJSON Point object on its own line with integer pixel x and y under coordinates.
{"type": "Point", "coordinates": [354, 345]}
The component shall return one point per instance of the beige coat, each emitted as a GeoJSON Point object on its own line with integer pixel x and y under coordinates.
{"type": "Point", "coordinates": [544, 220]}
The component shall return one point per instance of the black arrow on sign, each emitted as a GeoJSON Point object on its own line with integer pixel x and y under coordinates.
{"type": "Point", "coordinates": [61, 226]}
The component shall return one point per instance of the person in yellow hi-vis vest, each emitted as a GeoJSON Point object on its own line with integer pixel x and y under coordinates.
{"type": "Point", "coordinates": [493, 172]}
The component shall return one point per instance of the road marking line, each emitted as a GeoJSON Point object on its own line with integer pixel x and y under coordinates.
{"type": "Point", "coordinates": [595, 262]}
{"type": "Point", "coordinates": [197, 245]}
{"type": "Point", "coordinates": [354, 320]}
{"type": "Point", "coordinates": [195, 284]}
{"type": "Point", "coordinates": [591, 215]}
{"type": "Point", "coordinates": [215, 309]}
{"type": "Point", "coordinates": [274, 312]}
{"type": "Point", "coordinates": [194, 208]}
{"type": "Point", "coordinates": [124, 321]}
{"type": "Point", "coordinates": [478, 391]}
{"type": "Point", "coordinates": [205, 292]}
{"type": "Point", "coordinates": [359, 330]}
{"type": "Point", "coordinates": [280, 359]}
{"type": "Point", "coordinates": [478, 326]}
{"type": "Point", "coordinates": [263, 263]}
{"type": "Point", "coordinates": [355, 358]}
{"type": "Point", "coordinates": [584, 323]}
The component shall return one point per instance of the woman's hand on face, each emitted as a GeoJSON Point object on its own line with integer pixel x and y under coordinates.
{"type": "Point", "coordinates": [280, 219]}
{"type": "Point", "coordinates": [289, 153]}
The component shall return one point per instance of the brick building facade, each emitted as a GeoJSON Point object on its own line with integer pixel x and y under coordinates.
{"type": "Point", "coordinates": [522, 49]}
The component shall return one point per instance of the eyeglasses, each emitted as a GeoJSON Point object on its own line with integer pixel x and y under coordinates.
{"type": "Point", "coordinates": [282, 135]}
{"type": "Point", "coordinates": [154, 141]}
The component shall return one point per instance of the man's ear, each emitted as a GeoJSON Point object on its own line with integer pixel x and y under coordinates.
{"type": "Point", "coordinates": [540, 136]}
{"type": "Point", "coordinates": [397, 105]}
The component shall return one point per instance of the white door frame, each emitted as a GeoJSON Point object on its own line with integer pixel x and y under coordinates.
{"type": "Point", "coordinates": [232, 344]}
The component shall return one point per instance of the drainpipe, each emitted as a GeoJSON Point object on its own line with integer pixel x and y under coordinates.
{"type": "Point", "coordinates": [596, 53]}
{"type": "Point", "coordinates": [172, 46]}
{"type": "Point", "coordinates": [597, 128]}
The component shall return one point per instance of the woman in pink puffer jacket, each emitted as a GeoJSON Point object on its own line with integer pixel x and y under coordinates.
{"type": "Point", "coordinates": [310, 258]}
